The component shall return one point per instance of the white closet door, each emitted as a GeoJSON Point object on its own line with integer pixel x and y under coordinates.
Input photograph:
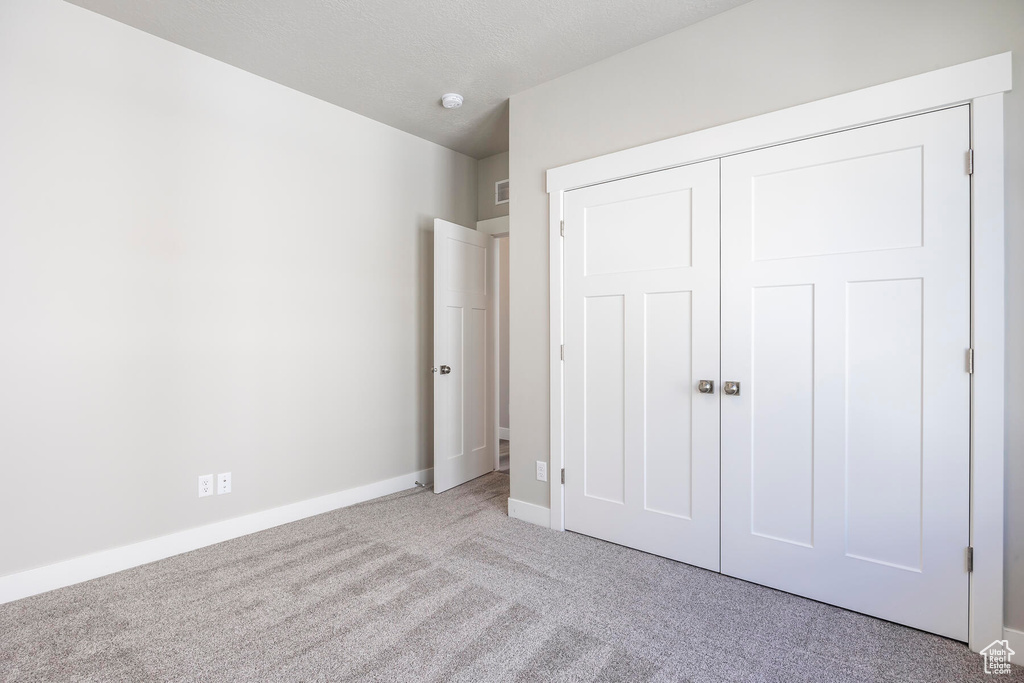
{"type": "Point", "coordinates": [641, 329]}
{"type": "Point", "coordinates": [846, 320]}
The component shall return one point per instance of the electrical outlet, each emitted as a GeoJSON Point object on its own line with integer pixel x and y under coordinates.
{"type": "Point", "coordinates": [205, 485]}
{"type": "Point", "coordinates": [223, 483]}
{"type": "Point", "coordinates": [542, 471]}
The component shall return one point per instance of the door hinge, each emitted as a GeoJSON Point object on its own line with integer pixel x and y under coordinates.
{"type": "Point", "coordinates": [970, 162]}
{"type": "Point", "coordinates": [563, 475]}
{"type": "Point", "coordinates": [970, 559]}
{"type": "Point", "coordinates": [561, 351]}
{"type": "Point", "coordinates": [561, 228]}
{"type": "Point", "coordinates": [970, 361]}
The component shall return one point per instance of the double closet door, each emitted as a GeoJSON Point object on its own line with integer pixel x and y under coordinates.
{"type": "Point", "coordinates": [765, 367]}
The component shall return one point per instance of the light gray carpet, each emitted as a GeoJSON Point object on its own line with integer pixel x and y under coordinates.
{"type": "Point", "coordinates": [503, 455]}
{"type": "Point", "coordinates": [425, 587]}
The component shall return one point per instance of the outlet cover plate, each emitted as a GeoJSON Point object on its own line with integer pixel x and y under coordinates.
{"type": "Point", "coordinates": [542, 471]}
{"type": "Point", "coordinates": [205, 485]}
{"type": "Point", "coordinates": [223, 483]}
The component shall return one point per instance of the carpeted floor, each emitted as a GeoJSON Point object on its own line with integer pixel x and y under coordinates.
{"type": "Point", "coordinates": [425, 587]}
{"type": "Point", "coordinates": [503, 456]}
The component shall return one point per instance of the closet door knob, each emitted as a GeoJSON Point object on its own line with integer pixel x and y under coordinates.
{"type": "Point", "coordinates": [731, 388]}
{"type": "Point", "coordinates": [445, 370]}
{"type": "Point", "coordinates": [706, 386]}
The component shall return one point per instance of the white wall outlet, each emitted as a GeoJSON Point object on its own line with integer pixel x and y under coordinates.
{"type": "Point", "coordinates": [205, 485]}
{"type": "Point", "coordinates": [223, 483]}
{"type": "Point", "coordinates": [542, 471]}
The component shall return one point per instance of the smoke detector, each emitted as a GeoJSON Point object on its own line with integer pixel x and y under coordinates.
{"type": "Point", "coordinates": [451, 100]}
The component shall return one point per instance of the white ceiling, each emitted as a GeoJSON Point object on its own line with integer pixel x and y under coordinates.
{"type": "Point", "coordinates": [391, 60]}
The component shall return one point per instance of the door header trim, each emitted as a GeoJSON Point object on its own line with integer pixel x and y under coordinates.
{"type": "Point", "coordinates": [913, 95]}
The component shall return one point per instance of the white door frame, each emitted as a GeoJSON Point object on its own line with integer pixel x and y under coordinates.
{"type": "Point", "coordinates": [980, 83]}
{"type": "Point", "coordinates": [496, 228]}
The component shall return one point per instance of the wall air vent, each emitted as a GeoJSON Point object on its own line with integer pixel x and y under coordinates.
{"type": "Point", "coordinates": [501, 192]}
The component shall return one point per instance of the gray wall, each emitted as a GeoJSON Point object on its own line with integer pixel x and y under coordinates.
{"type": "Point", "coordinates": [489, 171]}
{"type": "Point", "coordinates": [757, 58]}
{"type": "Point", "coordinates": [200, 271]}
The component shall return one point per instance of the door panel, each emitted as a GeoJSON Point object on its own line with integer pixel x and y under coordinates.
{"type": "Point", "coordinates": [654, 219]}
{"type": "Point", "coordinates": [782, 456]}
{"type": "Point", "coordinates": [453, 419]}
{"type": "Point", "coordinates": [603, 411]}
{"type": "Point", "coordinates": [669, 401]}
{"type": "Point", "coordinates": [846, 320]}
{"type": "Point", "coordinates": [465, 310]}
{"type": "Point", "coordinates": [862, 203]}
{"type": "Point", "coordinates": [641, 328]}
{"type": "Point", "coordinates": [883, 438]}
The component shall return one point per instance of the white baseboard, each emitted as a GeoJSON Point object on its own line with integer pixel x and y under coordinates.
{"type": "Point", "coordinates": [503, 433]}
{"type": "Point", "coordinates": [1015, 637]}
{"type": "Point", "coordinates": [528, 512]}
{"type": "Point", "coordinates": [76, 570]}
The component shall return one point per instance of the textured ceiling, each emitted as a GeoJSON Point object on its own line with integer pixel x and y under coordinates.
{"type": "Point", "coordinates": [391, 60]}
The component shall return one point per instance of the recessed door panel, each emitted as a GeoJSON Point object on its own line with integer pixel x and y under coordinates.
{"type": "Point", "coordinates": [604, 456]}
{"type": "Point", "coordinates": [474, 381]}
{"type": "Point", "coordinates": [884, 397]}
{"type": "Point", "coordinates": [869, 202]}
{"type": "Point", "coordinates": [641, 329]}
{"type": "Point", "coordinates": [782, 413]}
{"type": "Point", "coordinates": [668, 403]}
{"type": "Point", "coordinates": [470, 272]}
{"type": "Point", "coordinates": [846, 320]}
{"type": "Point", "coordinates": [455, 445]}
{"type": "Point", "coordinates": [662, 219]}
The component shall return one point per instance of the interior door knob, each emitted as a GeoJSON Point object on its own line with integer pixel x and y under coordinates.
{"type": "Point", "coordinates": [445, 370]}
{"type": "Point", "coordinates": [731, 388]}
{"type": "Point", "coordinates": [706, 386]}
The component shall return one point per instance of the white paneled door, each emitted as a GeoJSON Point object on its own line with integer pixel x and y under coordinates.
{"type": "Point", "coordinates": [465, 315]}
{"type": "Point", "coordinates": [846, 323]}
{"type": "Point", "coordinates": [641, 332]}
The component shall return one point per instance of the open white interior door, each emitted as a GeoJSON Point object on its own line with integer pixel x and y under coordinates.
{"type": "Point", "coordinates": [465, 336]}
